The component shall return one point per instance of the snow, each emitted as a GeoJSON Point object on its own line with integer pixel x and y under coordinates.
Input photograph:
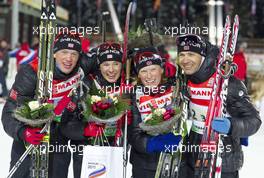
{"type": "Point", "coordinates": [252, 162]}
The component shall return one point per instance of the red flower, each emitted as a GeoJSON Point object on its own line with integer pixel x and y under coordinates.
{"type": "Point", "coordinates": [166, 116]}
{"type": "Point", "coordinates": [105, 106]}
{"type": "Point", "coordinates": [95, 109]}
{"type": "Point", "coordinates": [99, 104]}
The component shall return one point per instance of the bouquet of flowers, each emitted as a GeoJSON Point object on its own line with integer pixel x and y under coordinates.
{"type": "Point", "coordinates": [33, 113]}
{"type": "Point", "coordinates": [102, 107]}
{"type": "Point", "coordinates": [160, 120]}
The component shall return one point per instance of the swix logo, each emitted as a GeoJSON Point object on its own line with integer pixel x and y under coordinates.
{"type": "Point", "coordinates": [145, 101]}
{"type": "Point", "coordinates": [210, 82]}
{"type": "Point", "coordinates": [66, 85]}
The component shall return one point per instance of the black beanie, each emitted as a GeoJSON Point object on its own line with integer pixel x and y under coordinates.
{"type": "Point", "coordinates": [191, 42]}
{"type": "Point", "coordinates": [109, 52]}
{"type": "Point", "coordinates": [67, 41]}
{"type": "Point", "coordinates": [145, 57]}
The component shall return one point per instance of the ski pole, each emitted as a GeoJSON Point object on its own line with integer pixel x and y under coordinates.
{"type": "Point", "coordinates": [28, 151]}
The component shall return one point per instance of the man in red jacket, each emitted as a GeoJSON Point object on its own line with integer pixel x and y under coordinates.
{"type": "Point", "coordinates": [240, 60]}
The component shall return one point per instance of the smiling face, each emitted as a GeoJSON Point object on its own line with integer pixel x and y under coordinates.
{"type": "Point", "coordinates": [150, 76]}
{"type": "Point", "coordinates": [111, 70]}
{"type": "Point", "coordinates": [190, 62]}
{"type": "Point", "coordinates": [66, 60]}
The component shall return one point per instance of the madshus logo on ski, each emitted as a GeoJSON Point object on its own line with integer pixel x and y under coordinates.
{"type": "Point", "coordinates": [97, 170]}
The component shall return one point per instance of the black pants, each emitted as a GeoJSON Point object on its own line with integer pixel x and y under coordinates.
{"type": "Point", "coordinates": [142, 173]}
{"type": "Point", "coordinates": [187, 172]}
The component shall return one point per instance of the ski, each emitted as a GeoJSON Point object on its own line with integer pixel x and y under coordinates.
{"type": "Point", "coordinates": [180, 129]}
{"type": "Point", "coordinates": [230, 69]}
{"type": "Point", "coordinates": [179, 99]}
{"type": "Point", "coordinates": [209, 161]}
{"type": "Point", "coordinates": [49, 68]}
{"type": "Point", "coordinates": [166, 167]}
{"type": "Point", "coordinates": [105, 15]}
{"type": "Point", "coordinates": [40, 92]}
{"type": "Point", "coordinates": [125, 83]}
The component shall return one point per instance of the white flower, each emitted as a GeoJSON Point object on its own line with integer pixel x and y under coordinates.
{"type": "Point", "coordinates": [149, 117]}
{"type": "Point", "coordinates": [95, 98]}
{"type": "Point", "coordinates": [159, 111]}
{"type": "Point", "coordinates": [33, 105]}
{"type": "Point", "coordinates": [163, 110]}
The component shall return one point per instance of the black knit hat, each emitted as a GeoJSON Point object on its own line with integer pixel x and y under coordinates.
{"type": "Point", "coordinates": [67, 40]}
{"type": "Point", "coordinates": [191, 42]}
{"type": "Point", "coordinates": [145, 57]}
{"type": "Point", "coordinates": [109, 52]}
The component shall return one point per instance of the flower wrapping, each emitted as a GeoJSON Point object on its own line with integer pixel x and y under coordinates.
{"type": "Point", "coordinates": [34, 114]}
{"type": "Point", "coordinates": [160, 121]}
{"type": "Point", "coordinates": [102, 107]}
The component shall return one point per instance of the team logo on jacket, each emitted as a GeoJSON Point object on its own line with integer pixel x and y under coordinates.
{"type": "Point", "coordinates": [201, 93]}
{"type": "Point", "coordinates": [67, 85]}
{"type": "Point", "coordinates": [145, 101]}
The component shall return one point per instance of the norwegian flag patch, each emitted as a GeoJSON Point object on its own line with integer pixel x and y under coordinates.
{"type": "Point", "coordinates": [13, 94]}
{"type": "Point", "coordinates": [70, 45]}
{"type": "Point", "coordinates": [186, 48]}
{"type": "Point", "coordinates": [71, 106]}
{"type": "Point", "coordinates": [109, 56]}
{"type": "Point", "coordinates": [149, 63]}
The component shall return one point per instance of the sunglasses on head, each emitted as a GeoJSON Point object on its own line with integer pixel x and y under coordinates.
{"type": "Point", "coordinates": [189, 38]}
{"type": "Point", "coordinates": [113, 46]}
{"type": "Point", "coordinates": [141, 56]}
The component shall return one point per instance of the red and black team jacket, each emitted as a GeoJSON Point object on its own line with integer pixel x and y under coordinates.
{"type": "Point", "coordinates": [23, 90]}
{"type": "Point", "coordinates": [138, 138]}
{"type": "Point", "coordinates": [245, 119]}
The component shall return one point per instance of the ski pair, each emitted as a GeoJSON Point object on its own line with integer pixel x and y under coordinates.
{"type": "Point", "coordinates": [209, 161]}
{"type": "Point", "coordinates": [169, 163]}
{"type": "Point", "coordinates": [40, 154]}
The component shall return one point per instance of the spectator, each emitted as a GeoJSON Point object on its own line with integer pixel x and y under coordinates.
{"type": "Point", "coordinates": [24, 54]}
{"type": "Point", "coordinates": [3, 67]}
{"type": "Point", "coordinates": [240, 60]}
